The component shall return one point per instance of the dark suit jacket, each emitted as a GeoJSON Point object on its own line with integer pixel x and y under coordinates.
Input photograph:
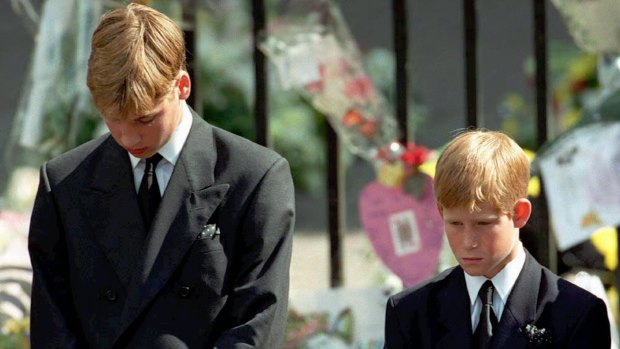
{"type": "Point", "coordinates": [436, 314]}
{"type": "Point", "coordinates": [101, 281]}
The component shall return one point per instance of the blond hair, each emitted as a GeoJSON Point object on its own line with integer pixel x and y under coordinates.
{"type": "Point", "coordinates": [479, 167]}
{"type": "Point", "coordinates": [136, 56]}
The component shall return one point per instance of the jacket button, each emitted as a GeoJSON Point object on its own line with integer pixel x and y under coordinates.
{"type": "Point", "coordinates": [110, 295]}
{"type": "Point", "coordinates": [184, 291]}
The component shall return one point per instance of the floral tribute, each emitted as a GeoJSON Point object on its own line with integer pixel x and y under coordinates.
{"type": "Point", "coordinates": [313, 52]}
{"type": "Point", "coordinates": [401, 167]}
{"type": "Point", "coordinates": [317, 331]}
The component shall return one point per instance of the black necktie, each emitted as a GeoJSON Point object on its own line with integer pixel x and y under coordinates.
{"type": "Point", "coordinates": [148, 194]}
{"type": "Point", "coordinates": [488, 321]}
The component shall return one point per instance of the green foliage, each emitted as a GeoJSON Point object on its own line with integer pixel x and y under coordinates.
{"type": "Point", "coordinates": [573, 91]}
{"type": "Point", "coordinates": [66, 126]}
{"type": "Point", "coordinates": [298, 133]}
{"type": "Point", "coordinates": [233, 114]}
{"type": "Point", "coordinates": [15, 334]}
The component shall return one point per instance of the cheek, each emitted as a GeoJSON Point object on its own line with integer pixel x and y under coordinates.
{"type": "Point", "coordinates": [153, 132]}
{"type": "Point", "coordinates": [454, 239]}
{"type": "Point", "coordinates": [499, 242]}
{"type": "Point", "coordinates": [114, 130]}
{"type": "Point", "coordinates": [159, 128]}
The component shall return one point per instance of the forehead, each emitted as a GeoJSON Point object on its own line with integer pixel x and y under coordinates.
{"type": "Point", "coordinates": [463, 212]}
{"type": "Point", "coordinates": [127, 115]}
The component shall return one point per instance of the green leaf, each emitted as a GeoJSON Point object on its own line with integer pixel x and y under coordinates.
{"type": "Point", "coordinates": [414, 184]}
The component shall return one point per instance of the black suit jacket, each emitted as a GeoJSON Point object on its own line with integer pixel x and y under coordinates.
{"type": "Point", "coordinates": [436, 314]}
{"type": "Point", "coordinates": [213, 271]}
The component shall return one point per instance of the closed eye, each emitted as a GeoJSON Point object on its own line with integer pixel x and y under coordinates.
{"type": "Point", "coordinates": [146, 119]}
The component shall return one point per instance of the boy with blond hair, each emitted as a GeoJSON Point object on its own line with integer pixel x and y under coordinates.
{"type": "Point", "coordinates": [167, 232]}
{"type": "Point", "coordinates": [498, 296]}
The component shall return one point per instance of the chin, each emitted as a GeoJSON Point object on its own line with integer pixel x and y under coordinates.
{"type": "Point", "coordinates": [472, 271]}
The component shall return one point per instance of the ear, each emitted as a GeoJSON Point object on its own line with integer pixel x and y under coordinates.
{"type": "Point", "coordinates": [184, 84]}
{"type": "Point", "coordinates": [522, 211]}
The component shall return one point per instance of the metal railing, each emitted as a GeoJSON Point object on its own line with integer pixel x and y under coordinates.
{"type": "Point", "coordinates": [400, 38]}
{"type": "Point", "coordinates": [545, 249]}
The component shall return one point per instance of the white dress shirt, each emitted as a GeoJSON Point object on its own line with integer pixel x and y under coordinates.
{"type": "Point", "coordinates": [170, 153]}
{"type": "Point", "coordinates": [503, 282]}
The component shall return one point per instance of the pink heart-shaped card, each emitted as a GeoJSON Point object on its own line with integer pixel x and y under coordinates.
{"type": "Point", "coordinates": [406, 232]}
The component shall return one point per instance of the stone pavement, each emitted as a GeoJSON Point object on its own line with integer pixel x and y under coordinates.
{"type": "Point", "coordinates": [310, 264]}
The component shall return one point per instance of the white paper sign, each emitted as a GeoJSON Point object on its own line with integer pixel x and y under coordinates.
{"type": "Point", "coordinates": [581, 174]}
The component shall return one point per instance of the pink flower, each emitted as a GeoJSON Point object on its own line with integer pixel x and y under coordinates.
{"type": "Point", "coordinates": [359, 88]}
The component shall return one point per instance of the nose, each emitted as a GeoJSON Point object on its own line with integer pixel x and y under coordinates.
{"type": "Point", "coordinates": [470, 239]}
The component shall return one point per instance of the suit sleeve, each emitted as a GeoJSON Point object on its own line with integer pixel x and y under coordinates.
{"type": "Point", "coordinates": [258, 304]}
{"type": "Point", "coordinates": [593, 329]}
{"type": "Point", "coordinates": [53, 320]}
{"type": "Point", "coordinates": [393, 337]}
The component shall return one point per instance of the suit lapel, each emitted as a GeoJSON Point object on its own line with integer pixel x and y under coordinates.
{"type": "Point", "coordinates": [454, 313]}
{"type": "Point", "coordinates": [189, 201]}
{"type": "Point", "coordinates": [521, 307]}
{"type": "Point", "coordinates": [118, 229]}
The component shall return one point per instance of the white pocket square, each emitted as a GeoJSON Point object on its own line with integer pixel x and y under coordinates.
{"type": "Point", "coordinates": [209, 231]}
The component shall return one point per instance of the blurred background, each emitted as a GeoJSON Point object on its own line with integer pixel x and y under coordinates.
{"type": "Point", "coordinates": [45, 110]}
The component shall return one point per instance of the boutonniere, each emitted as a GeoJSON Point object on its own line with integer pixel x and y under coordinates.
{"type": "Point", "coordinates": [537, 335]}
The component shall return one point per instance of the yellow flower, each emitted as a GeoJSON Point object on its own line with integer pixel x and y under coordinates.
{"type": "Point", "coordinates": [583, 68]}
{"type": "Point", "coordinates": [606, 242]}
{"type": "Point", "coordinates": [16, 326]}
{"type": "Point", "coordinates": [571, 118]}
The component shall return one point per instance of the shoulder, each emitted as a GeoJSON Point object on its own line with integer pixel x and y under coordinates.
{"type": "Point", "coordinates": [555, 290]}
{"type": "Point", "coordinates": [66, 163]}
{"type": "Point", "coordinates": [419, 295]}
{"type": "Point", "coordinates": [568, 292]}
{"type": "Point", "coordinates": [236, 153]}
{"type": "Point", "coordinates": [80, 152]}
{"type": "Point", "coordinates": [573, 314]}
{"type": "Point", "coordinates": [568, 303]}
{"type": "Point", "coordinates": [232, 141]}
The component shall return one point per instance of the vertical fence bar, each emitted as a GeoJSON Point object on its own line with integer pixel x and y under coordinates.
{"type": "Point", "coordinates": [471, 61]}
{"type": "Point", "coordinates": [547, 254]}
{"type": "Point", "coordinates": [540, 51]}
{"type": "Point", "coordinates": [260, 74]}
{"type": "Point", "coordinates": [189, 30]}
{"type": "Point", "coordinates": [399, 19]}
{"type": "Point", "coordinates": [335, 209]}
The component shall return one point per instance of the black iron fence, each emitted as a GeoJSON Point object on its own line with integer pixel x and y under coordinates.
{"type": "Point", "coordinates": [543, 246]}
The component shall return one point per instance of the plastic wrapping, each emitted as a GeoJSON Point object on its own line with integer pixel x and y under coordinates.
{"type": "Point", "coordinates": [314, 53]}
{"type": "Point", "coordinates": [55, 99]}
{"type": "Point", "coordinates": [592, 23]}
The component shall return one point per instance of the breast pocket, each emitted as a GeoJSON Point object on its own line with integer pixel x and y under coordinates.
{"type": "Point", "coordinates": [206, 265]}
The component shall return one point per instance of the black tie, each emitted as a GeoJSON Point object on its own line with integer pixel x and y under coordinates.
{"type": "Point", "coordinates": [148, 195]}
{"type": "Point", "coordinates": [488, 321]}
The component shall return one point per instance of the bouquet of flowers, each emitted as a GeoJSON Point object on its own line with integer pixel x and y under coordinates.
{"type": "Point", "coordinates": [314, 53]}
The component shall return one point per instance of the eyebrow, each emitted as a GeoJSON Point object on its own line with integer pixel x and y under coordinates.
{"type": "Point", "coordinates": [149, 115]}
{"type": "Point", "coordinates": [476, 217]}
{"type": "Point", "coordinates": [488, 217]}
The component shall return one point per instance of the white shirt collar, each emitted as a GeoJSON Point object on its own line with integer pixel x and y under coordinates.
{"type": "Point", "coordinates": [503, 281]}
{"type": "Point", "coordinates": [172, 149]}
